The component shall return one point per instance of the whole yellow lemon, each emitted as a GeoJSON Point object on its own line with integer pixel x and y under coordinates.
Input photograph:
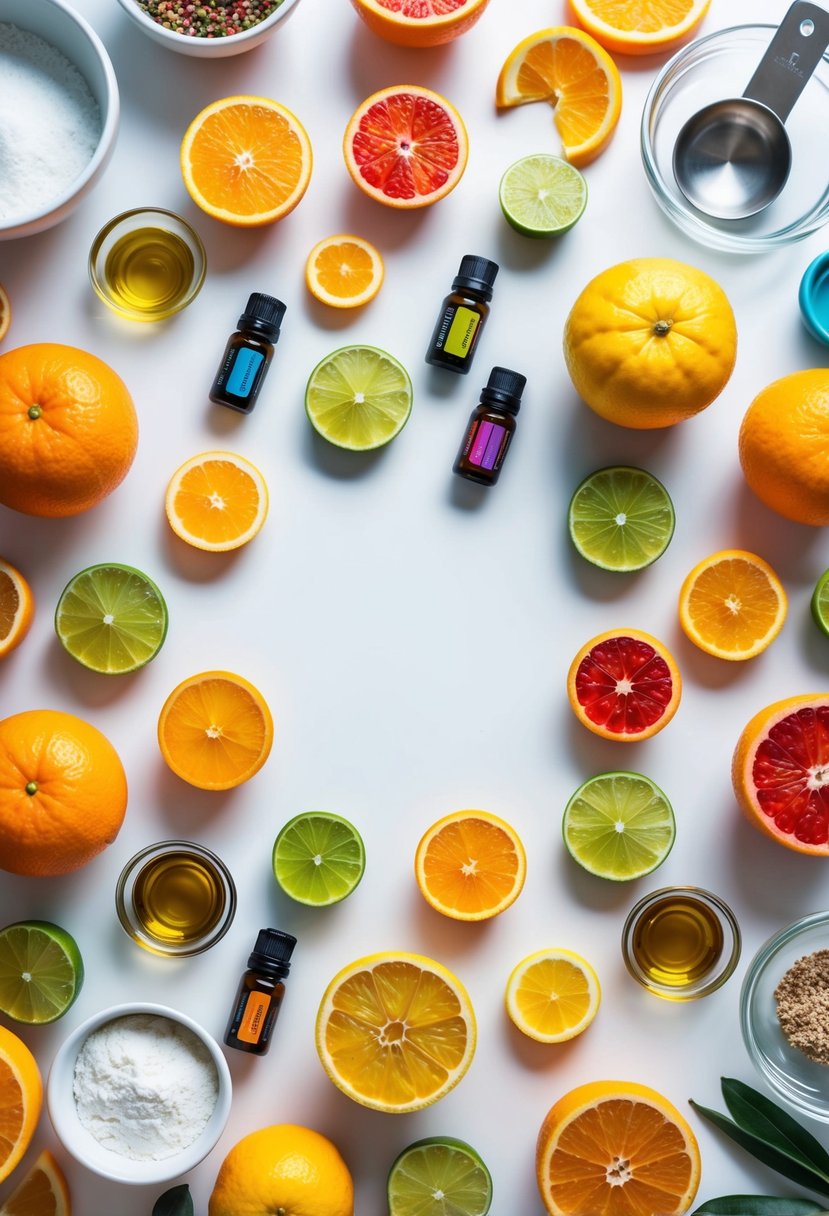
{"type": "Point", "coordinates": [286, 1170]}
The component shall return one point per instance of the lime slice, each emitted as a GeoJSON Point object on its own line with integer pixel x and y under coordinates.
{"type": "Point", "coordinates": [542, 195]}
{"type": "Point", "coordinates": [820, 603]}
{"type": "Point", "coordinates": [358, 397]}
{"type": "Point", "coordinates": [439, 1177]}
{"type": "Point", "coordinates": [621, 518]}
{"type": "Point", "coordinates": [41, 971]}
{"type": "Point", "coordinates": [619, 826]}
{"type": "Point", "coordinates": [111, 618]}
{"type": "Point", "coordinates": [318, 858]}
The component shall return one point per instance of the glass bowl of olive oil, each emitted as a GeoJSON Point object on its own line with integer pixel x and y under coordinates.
{"type": "Point", "coordinates": [147, 264]}
{"type": "Point", "coordinates": [175, 898]}
{"type": "Point", "coordinates": [681, 943]}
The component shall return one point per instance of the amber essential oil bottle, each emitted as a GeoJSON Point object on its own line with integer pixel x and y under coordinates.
{"type": "Point", "coordinates": [463, 315]}
{"type": "Point", "coordinates": [260, 993]}
{"type": "Point", "coordinates": [248, 354]}
{"type": "Point", "coordinates": [491, 427]}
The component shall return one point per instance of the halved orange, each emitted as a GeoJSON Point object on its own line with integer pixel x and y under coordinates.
{"type": "Point", "coordinates": [470, 865]}
{"type": "Point", "coordinates": [406, 146]}
{"type": "Point", "coordinates": [420, 22]}
{"type": "Point", "coordinates": [567, 68]}
{"type": "Point", "coordinates": [618, 1148]}
{"type": "Point", "coordinates": [640, 27]}
{"type": "Point", "coordinates": [344, 271]}
{"type": "Point", "coordinates": [21, 1098]}
{"type": "Point", "coordinates": [624, 685]}
{"type": "Point", "coordinates": [216, 501]}
{"type": "Point", "coordinates": [732, 604]}
{"type": "Point", "coordinates": [5, 312]}
{"type": "Point", "coordinates": [42, 1192]}
{"type": "Point", "coordinates": [395, 1031]}
{"type": "Point", "coordinates": [215, 730]}
{"type": "Point", "coordinates": [246, 160]}
{"type": "Point", "coordinates": [17, 606]}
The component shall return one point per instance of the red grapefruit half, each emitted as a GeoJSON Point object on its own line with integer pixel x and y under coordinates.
{"type": "Point", "coordinates": [624, 685]}
{"type": "Point", "coordinates": [420, 22]}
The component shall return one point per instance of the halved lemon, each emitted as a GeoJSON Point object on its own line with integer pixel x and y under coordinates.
{"type": "Point", "coordinates": [553, 995]}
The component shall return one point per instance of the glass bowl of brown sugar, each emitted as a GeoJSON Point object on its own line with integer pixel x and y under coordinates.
{"type": "Point", "coordinates": [784, 1013]}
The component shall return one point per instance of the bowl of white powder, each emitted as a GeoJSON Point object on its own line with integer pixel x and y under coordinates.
{"type": "Point", "coordinates": [60, 108]}
{"type": "Point", "coordinates": [139, 1093]}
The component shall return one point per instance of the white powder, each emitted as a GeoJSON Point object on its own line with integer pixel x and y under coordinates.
{"type": "Point", "coordinates": [50, 125]}
{"type": "Point", "coordinates": [145, 1086]}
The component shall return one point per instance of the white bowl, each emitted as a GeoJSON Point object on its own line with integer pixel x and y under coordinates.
{"type": "Point", "coordinates": [209, 48]}
{"type": "Point", "coordinates": [58, 24]}
{"type": "Point", "coordinates": [83, 1146]}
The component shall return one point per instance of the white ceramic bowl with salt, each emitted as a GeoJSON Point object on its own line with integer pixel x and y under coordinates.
{"type": "Point", "coordinates": [80, 1142]}
{"type": "Point", "coordinates": [57, 23]}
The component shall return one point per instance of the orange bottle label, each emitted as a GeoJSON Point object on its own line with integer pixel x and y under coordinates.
{"type": "Point", "coordinates": [253, 1019]}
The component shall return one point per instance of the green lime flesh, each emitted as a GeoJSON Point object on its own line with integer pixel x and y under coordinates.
{"type": "Point", "coordinates": [820, 603]}
{"type": "Point", "coordinates": [619, 826]}
{"type": "Point", "coordinates": [542, 196]}
{"type": "Point", "coordinates": [41, 971]}
{"type": "Point", "coordinates": [318, 858]}
{"type": "Point", "coordinates": [621, 518]}
{"type": "Point", "coordinates": [111, 618]}
{"type": "Point", "coordinates": [358, 398]}
{"type": "Point", "coordinates": [439, 1176]}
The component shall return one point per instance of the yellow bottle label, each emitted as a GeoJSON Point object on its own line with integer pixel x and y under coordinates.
{"type": "Point", "coordinates": [461, 332]}
{"type": "Point", "coordinates": [250, 1029]}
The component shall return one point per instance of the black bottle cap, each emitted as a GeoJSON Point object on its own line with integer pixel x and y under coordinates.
{"type": "Point", "coordinates": [504, 388]}
{"type": "Point", "coordinates": [273, 951]}
{"type": "Point", "coordinates": [476, 273]}
{"type": "Point", "coordinates": [263, 314]}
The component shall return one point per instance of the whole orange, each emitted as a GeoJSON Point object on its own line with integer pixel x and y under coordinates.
{"type": "Point", "coordinates": [63, 793]}
{"type": "Point", "coordinates": [420, 22]}
{"type": "Point", "coordinates": [784, 446]}
{"type": "Point", "coordinates": [68, 429]}
{"type": "Point", "coordinates": [283, 1168]}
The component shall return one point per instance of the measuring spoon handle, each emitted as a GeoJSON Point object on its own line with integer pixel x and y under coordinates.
{"type": "Point", "coordinates": [792, 56]}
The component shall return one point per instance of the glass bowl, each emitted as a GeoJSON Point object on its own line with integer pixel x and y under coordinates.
{"type": "Point", "coordinates": [713, 69]}
{"type": "Point", "coordinates": [801, 1081]}
{"type": "Point", "coordinates": [147, 264]}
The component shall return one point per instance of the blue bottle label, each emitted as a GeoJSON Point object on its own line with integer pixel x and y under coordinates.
{"type": "Point", "coordinates": [243, 373]}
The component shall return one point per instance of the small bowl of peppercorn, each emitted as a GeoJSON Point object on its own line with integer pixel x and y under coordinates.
{"type": "Point", "coordinates": [784, 1013]}
{"type": "Point", "coordinates": [208, 29]}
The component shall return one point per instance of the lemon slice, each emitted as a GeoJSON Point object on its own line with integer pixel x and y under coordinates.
{"type": "Point", "coordinates": [553, 995]}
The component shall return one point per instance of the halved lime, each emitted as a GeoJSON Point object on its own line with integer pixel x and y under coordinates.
{"type": "Point", "coordinates": [820, 603]}
{"type": "Point", "coordinates": [621, 518]}
{"type": "Point", "coordinates": [619, 826]}
{"type": "Point", "coordinates": [542, 195]}
{"type": "Point", "coordinates": [41, 971]}
{"type": "Point", "coordinates": [439, 1176]}
{"type": "Point", "coordinates": [111, 618]}
{"type": "Point", "coordinates": [318, 858]}
{"type": "Point", "coordinates": [358, 397]}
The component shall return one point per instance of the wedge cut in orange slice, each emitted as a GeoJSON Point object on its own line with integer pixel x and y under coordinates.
{"type": "Point", "coordinates": [246, 160]}
{"type": "Point", "coordinates": [216, 501]}
{"type": "Point", "coordinates": [344, 271]}
{"type": "Point", "coordinates": [21, 1099]}
{"type": "Point", "coordinates": [470, 865]}
{"type": "Point", "coordinates": [42, 1192]}
{"type": "Point", "coordinates": [732, 605]}
{"type": "Point", "coordinates": [624, 685]}
{"type": "Point", "coordinates": [568, 69]}
{"type": "Point", "coordinates": [17, 607]}
{"type": "Point", "coordinates": [640, 27]}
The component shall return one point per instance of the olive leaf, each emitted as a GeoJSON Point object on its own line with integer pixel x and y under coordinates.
{"type": "Point", "coordinates": [758, 1205]}
{"type": "Point", "coordinates": [175, 1202]}
{"type": "Point", "coordinates": [756, 1113]}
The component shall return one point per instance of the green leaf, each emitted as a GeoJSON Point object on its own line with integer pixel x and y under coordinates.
{"type": "Point", "coordinates": [175, 1202]}
{"type": "Point", "coordinates": [758, 1205]}
{"type": "Point", "coordinates": [756, 1113]}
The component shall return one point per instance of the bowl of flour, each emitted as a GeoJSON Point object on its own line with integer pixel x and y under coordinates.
{"type": "Point", "coordinates": [139, 1093]}
{"type": "Point", "coordinates": [60, 107]}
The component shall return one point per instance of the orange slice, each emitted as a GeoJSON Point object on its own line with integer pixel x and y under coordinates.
{"type": "Point", "coordinates": [21, 1097]}
{"type": "Point", "coordinates": [553, 995]}
{"type": "Point", "coordinates": [406, 146]}
{"type": "Point", "coordinates": [618, 1148]}
{"type": "Point", "coordinates": [216, 501]}
{"type": "Point", "coordinates": [732, 605]}
{"type": "Point", "coordinates": [246, 160]}
{"type": "Point", "coordinates": [5, 312]}
{"type": "Point", "coordinates": [470, 865]}
{"type": "Point", "coordinates": [395, 1031]}
{"type": "Point", "coordinates": [344, 271]}
{"type": "Point", "coordinates": [17, 606]}
{"type": "Point", "coordinates": [215, 730]}
{"type": "Point", "coordinates": [640, 27]}
{"type": "Point", "coordinates": [624, 685]}
{"type": "Point", "coordinates": [420, 22]}
{"type": "Point", "coordinates": [568, 69]}
{"type": "Point", "coordinates": [43, 1191]}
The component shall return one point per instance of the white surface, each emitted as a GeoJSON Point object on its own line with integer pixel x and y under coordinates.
{"type": "Point", "coordinates": [411, 632]}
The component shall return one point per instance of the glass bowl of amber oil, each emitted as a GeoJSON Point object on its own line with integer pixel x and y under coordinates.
{"type": "Point", "coordinates": [147, 264]}
{"type": "Point", "coordinates": [681, 943]}
{"type": "Point", "coordinates": [175, 898]}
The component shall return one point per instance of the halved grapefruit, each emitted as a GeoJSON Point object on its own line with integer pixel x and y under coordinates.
{"type": "Point", "coordinates": [780, 772]}
{"type": "Point", "coordinates": [624, 685]}
{"type": "Point", "coordinates": [420, 22]}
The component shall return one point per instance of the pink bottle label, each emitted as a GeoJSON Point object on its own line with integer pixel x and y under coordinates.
{"type": "Point", "coordinates": [486, 444]}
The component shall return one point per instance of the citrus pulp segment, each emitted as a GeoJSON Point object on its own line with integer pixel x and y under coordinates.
{"type": "Point", "coordinates": [567, 68]}
{"type": "Point", "coordinates": [420, 22]}
{"type": "Point", "coordinates": [395, 1031]}
{"type": "Point", "coordinates": [619, 826]}
{"type": "Point", "coordinates": [111, 618]}
{"type": "Point", "coordinates": [542, 196]}
{"type": "Point", "coordinates": [5, 312]}
{"type": "Point", "coordinates": [246, 160]}
{"type": "Point", "coordinates": [344, 271]}
{"type": "Point", "coordinates": [553, 995]}
{"type": "Point", "coordinates": [406, 146]}
{"type": "Point", "coordinates": [41, 1192]}
{"type": "Point", "coordinates": [216, 501]}
{"type": "Point", "coordinates": [640, 27]}
{"type": "Point", "coordinates": [624, 685]}
{"type": "Point", "coordinates": [358, 397]}
{"type": "Point", "coordinates": [819, 603]}
{"type": "Point", "coordinates": [732, 605]}
{"type": "Point", "coordinates": [318, 858]}
{"type": "Point", "coordinates": [41, 972]}
{"type": "Point", "coordinates": [470, 865]}
{"type": "Point", "coordinates": [21, 1099]}
{"type": "Point", "coordinates": [439, 1176]}
{"type": "Point", "coordinates": [621, 518]}
{"type": "Point", "coordinates": [215, 730]}
{"type": "Point", "coordinates": [17, 607]}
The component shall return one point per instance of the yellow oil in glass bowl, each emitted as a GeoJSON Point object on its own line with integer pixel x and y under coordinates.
{"type": "Point", "coordinates": [147, 264]}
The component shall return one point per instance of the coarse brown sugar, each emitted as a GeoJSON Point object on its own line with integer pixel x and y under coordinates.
{"type": "Point", "coordinates": [802, 1000]}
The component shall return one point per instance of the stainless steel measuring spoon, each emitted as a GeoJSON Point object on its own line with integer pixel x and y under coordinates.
{"type": "Point", "coordinates": [732, 158]}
